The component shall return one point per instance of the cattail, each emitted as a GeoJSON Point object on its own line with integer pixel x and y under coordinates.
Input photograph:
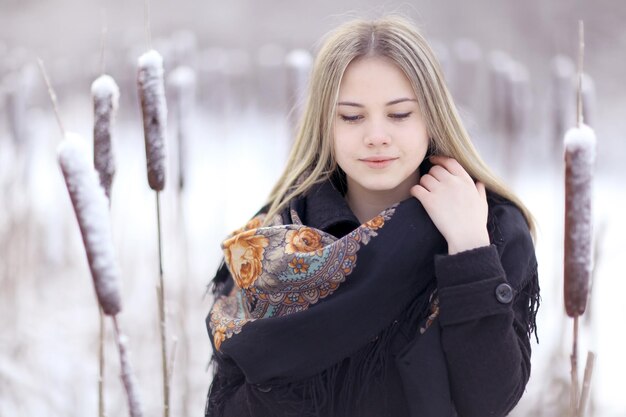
{"type": "Point", "coordinates": [128, 377]}
{"type": "Point", "coordinates": [154, 110]}
{"type": "Point", "coordinates": [184, 45]}
{"type": "Point", "coordinates": [519, 102]}
{"type": "Point", "coordinates": [499, 68]}
{"type": "Point", "coordinates": [182, 81]}
{"type": "Point", "coordinates": [105, 94]}
{"type": "Point", "coordinates": [91, 208]}
{"type": "Point", "coordinates": [443, 56]}
{"type": "Point", "coordinates": [468, 57]}
{"type": "Point", "coordinates": [579, 158]}
{"type": "Point", "coordinates": [562, 91]}
{"type": "Point", "coordinates": [298, 64]}
{"type": "Point", "coordinates": [18, 86]}
{"type": "Point", "coordinates": [270, 75]}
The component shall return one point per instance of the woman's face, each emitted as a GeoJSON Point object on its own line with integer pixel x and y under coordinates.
{"type": "Point", "coordinates": [380, 138]}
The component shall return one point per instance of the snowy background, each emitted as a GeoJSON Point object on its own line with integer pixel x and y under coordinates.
{"type": "Point", "coordinates": [238, 133]}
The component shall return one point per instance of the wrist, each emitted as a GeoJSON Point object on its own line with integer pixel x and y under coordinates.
{"type": "Point", "coordinates": [473, 241]}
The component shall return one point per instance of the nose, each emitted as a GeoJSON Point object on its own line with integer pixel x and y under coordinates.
{"type": "Point", "coordinates": [377, 136]}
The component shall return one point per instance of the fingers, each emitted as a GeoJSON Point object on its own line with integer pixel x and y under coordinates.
{"type": "Point", "coordinates": [420, 193]}
{"type": "Point", "coordinates": [429, 182]}
{"type": "Point", "coordinates": [450, 164]}
{"type": "Point", "coordinates": [439, 172]}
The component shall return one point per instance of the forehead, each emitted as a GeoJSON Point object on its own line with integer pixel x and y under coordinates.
{"type": "Point", "coordinates": [374, 77]}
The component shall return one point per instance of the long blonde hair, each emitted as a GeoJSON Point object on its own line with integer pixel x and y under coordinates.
{"type": "Point", "coordinates": [312, 161]}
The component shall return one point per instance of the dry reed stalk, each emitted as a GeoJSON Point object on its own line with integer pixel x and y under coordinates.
{"type": "Point", "coordinates": [52, 94]}
{"type": "Point", "coordinates": [105, 95]}
{"type": "Point", "coordinates": [588, 98]}
{"type": "Point", "coordinates": [586, 389]}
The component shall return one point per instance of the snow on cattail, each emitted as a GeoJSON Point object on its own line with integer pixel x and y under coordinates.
{"type": "Point", "coordinates": [579, 158]}
{"type": "Point", "coordinates": [154, 110]}
{"type": "Point", "coordinates": [91, 208]}
{"type": "Point", "coordinates": [128, 378]}
{"type": "Point", "coordinates": [182, 82]}
{"type": "Point", "coordinates": [105, 94]}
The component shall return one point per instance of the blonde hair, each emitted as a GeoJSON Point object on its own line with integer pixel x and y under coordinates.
{"type": "Point", "coordinates": [312, 161]}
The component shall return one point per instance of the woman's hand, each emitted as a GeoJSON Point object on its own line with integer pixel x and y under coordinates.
{"type": "Point", "coordinates": [456, 205]}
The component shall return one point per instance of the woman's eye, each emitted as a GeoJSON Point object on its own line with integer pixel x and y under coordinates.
{"type": "Point", "coordinates": [400, 116]}
{"type": "Point", "coordinates": [350, 118]}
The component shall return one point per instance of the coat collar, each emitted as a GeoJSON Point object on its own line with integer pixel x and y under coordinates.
{"type": "Point", "coordinates": [325, 208]}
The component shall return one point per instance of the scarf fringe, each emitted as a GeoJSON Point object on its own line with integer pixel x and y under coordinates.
{"type": "Point", "coordinates": [531, 290]}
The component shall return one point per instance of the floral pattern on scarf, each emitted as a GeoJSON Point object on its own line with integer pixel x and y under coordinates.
{"type": "Point", "coordinates": [283, 269]}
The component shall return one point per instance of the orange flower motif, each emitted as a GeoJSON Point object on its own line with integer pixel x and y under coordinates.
{"type": "Point", "coordinates": [253, 224]}
{"type": "Point", "coordinates": [304, 239]}
{"type": "Point", "coordinates": [243, 254]}
{"type": "Point", "coordinates": [298, 265]}
{"type": "Point", "coordinates": [376, 223]}
{"type": "Point", "coordinates": [219, 336]}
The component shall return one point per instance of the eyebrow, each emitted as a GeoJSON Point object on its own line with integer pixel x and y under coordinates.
{"type": "Point", "coordinates": [391, 103]}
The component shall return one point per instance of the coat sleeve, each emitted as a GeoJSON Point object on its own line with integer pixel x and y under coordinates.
{"type": "Point", "coordinates": [488, 298]}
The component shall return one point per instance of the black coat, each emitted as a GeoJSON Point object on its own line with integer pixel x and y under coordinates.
{"type": "Point", "coordinates": [474, 360]}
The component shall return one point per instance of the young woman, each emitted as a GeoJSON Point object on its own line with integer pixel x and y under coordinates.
{"type": "Point", "coordinates": [390, 273]}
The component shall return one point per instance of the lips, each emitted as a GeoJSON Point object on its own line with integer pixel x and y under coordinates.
{"type": "Point", "coordinates": [378, 162]}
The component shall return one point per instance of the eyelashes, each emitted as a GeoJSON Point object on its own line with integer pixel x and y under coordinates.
{"type": "Point", "coordinates": [358, 117]}
{"type": "Point", "coordinates": [400, 116]}
{"type": "Point", "coordinates": [351, 119]}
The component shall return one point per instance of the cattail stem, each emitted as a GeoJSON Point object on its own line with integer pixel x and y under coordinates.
{"type": "Point", "coordinates": [158, 208]}
{"type": "Point", "coordinates": [52, 94]}
{"type": "Point", "coordinates": [101, 405]}
{"type": "Point", "coordinates": [134, 405]}
{"type": "Point", "coordinates": [581, 51]}
{"type": "Point", "coordinates": [170, 365]}
{"type": "Point", "coordinates": [162, 317]}
{"type": "Point", "coordinates": [574, 371]}
{"type": "Point", "coordinates": [584, 396]}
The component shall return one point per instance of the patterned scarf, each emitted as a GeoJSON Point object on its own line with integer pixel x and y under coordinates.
{"type": "Point", "coordinates": [304, 300]}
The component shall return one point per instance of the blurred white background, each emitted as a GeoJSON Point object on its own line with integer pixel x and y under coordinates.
{"type": "Point", "coordinates": [500, 62]}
